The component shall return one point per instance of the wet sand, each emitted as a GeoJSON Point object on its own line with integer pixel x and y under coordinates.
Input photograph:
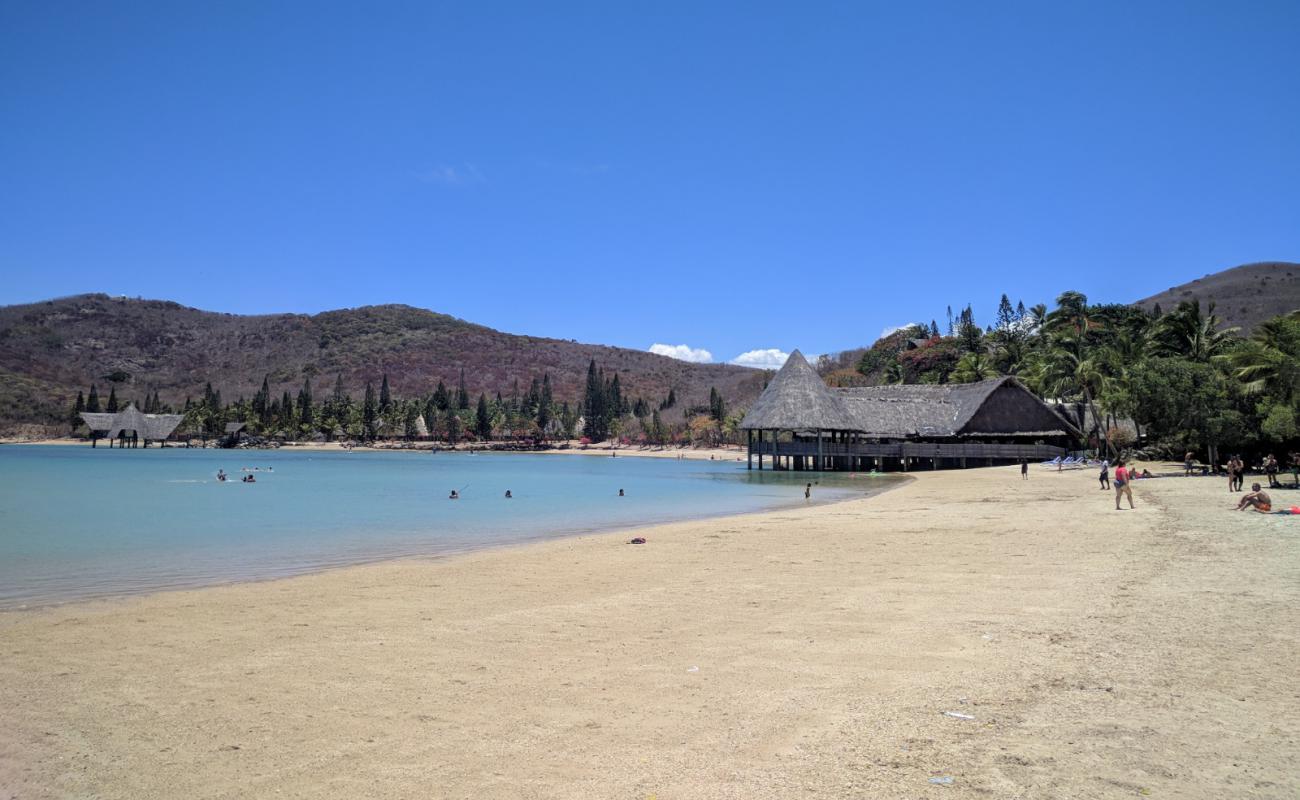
{"type": "Point", "coordinates": [798, 653]}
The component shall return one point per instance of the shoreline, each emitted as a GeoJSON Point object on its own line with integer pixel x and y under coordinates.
{"type": "Point", "coordinates": [734, 453]}
{"type": "Point", "coordinates": [620, 529]}
{"type": "Point", "coordinates": [808, 651]}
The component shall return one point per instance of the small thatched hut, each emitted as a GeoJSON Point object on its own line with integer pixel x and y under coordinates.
{"type": "Point", "coordinates": [802, 424]}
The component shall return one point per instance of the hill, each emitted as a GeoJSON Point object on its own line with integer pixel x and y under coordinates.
{"type": "Point", "coordinates": [50, 350]}
{"type": "Point", "coordinates": [1243, 296]}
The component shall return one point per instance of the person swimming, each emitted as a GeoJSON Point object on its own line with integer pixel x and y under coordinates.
{"type": "Point", "coordinates": [455, 495]}
{"type": "Point", "coordinates": [249, 479]}
{"type": "Point", "coordinates": [620, 492]}
{"type": "Point", "coordinates": [509, 496]}
{"type": "Point", "coordinates": [221, 475]}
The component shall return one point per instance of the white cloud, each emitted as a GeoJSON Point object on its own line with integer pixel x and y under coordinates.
{"type": "Point", "coordinates": [683, 352]}
{"type": "Point", "coordinates": [450, 175]}
{"type": "Point", "coordinates": [771, 358]}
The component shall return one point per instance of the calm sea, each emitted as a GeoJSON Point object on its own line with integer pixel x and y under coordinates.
{"type": "Point", "coordinates": [77, 523]}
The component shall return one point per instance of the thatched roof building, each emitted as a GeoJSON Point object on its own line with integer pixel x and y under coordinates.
{"type": "Point", "coordinates": [797, 399]}
{"type": "Point", "coordinates": [130, 422]}
{"type": "Point", "coordinates": [995, 420]}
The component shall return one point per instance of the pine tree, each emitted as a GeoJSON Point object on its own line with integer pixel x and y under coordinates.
{"type": "Point", "coordinates": [1020, 310]}
{"type": "Point", "coordinates": [306, 415]}
{"type": "Point", "coordinates": [951, 330]}
{"type": "Point", "coordinates": [482, 419]}
{"type": "Point", "coordinates": [934, 329]}
{"type": "Point", "coordinates": [1006, 314]}
{"type": "Point", "coordinates": [452, 424]}
{"type": "Point", "coordinates": [262, 403]}
{"type": "Point", "coordinates": [112, 400]}
{"type": "Point", "coordinates": [385, 398]}
{"type": "Point", "coordinates": [462, 396]}
{"type": "Point", "coordinates": [545, 405]}
{"type": "Point", "coordinates": [92, 402]}
{"type": "Point", "coordinates": [593, 406]}
{"type": "Point", "coordinates": [568, 419]}
{"type": "Point", "coordinates": [287, 421]}
{"type": "Point", "coordinates": [440, 397]}
{"type": "Point", "coordinates": [369, 411]}
{"type": "Point", "coordinates": [75, 417]}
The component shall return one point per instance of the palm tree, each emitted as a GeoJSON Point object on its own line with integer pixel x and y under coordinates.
{"type": "Point", "coordinates": [973, 367]}
{"type": "Point", "coordinates": [1269, 361]}
{"type": "Point", "coordinates": [1063, 371]}
{"type": "Point", "coordinates": [1187, 333]}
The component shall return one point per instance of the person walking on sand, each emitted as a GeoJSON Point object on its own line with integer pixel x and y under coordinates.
{"type": "Point", "coordinates": [1270, 469]}
{"type": "Point", "coordinates": [1122, 488]}
{"type": "Point", "coordinates": [1257, 499]}
{"type": "Point", "coordinates": [1188, 459]}
{"type": "Point", "coordinates": [1024, 469]}
{"type": "Point", "coordinates": [1104, 477]}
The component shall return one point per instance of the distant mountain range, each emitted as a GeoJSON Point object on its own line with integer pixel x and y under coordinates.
{"type": "Point", "coordinates": [1243, 296]}
{"type": "Point", "coordinates": [50, 350]}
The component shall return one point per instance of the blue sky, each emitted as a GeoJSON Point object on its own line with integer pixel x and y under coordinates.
{"type": "Point", "coordinates": [729, 177]}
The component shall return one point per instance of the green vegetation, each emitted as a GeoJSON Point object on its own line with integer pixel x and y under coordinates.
{"type": "Point", "coordinates": [1190, 382]}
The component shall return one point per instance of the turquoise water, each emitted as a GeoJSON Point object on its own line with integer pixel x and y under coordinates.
{"type": "Point", "coordinates": [77, 523]}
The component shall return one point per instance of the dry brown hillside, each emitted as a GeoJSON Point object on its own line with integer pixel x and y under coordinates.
{"type": "Point", "coordinates": [50, 350]}
{"type": "Point", "coordinates": [1243, 296]}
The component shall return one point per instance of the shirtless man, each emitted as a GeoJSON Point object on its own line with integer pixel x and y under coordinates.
{"type": "Point", "coordinates": [1257, 499]}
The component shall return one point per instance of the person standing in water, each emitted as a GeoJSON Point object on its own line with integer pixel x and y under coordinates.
{"type": "Point", "coordinates": [807, 492]}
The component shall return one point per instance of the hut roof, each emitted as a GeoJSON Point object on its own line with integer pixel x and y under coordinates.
{"type": "Point", "coordinates": [797, 398]}
{"type": "Point", "coordinates": [951, 409]}
{"type": "Point", "coordinates": [97, 421]}
{"type": "Point", "coordinates": [146, 426]}
{"type": "Point", "coordinates": [234, 427]}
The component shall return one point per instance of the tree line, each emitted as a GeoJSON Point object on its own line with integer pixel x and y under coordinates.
{"type": "Point", "coordinates": [450, 414]}
{"type": "Point", "coordinates": [1190, 382]}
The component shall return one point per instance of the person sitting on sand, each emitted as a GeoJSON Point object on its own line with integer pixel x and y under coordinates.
{"type": "Point", "coordinates": [455, 495]}
{"type": "Point", "coordinates": [1257, 499]}
{"type": "Point", "coordinates": [1122, 488]}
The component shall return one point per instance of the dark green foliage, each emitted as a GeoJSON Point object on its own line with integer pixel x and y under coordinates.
{"type": "Point", "coordinates": [370, 411]}
{"type": "Point", "coordinates": [462, 394]}
{"type": "Point", "coordinates": [441, 398]}
{"type": "Point", "coordinates": [92, 402]}
{"type": "Point", "coordinates": [483, 419]}
{"type": "Point", "coordinates": [385, 398]}
{"type": "Point", "coordinates": [112, 400]}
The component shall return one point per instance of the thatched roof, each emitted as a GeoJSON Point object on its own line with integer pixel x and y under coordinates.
{"type": "Point", "coordinates": [234, 427]}
{"type": "Point", "coordinates": [97, 421]}
{"type": "Point", "coordinates": [146, 426]}
{"type": "Point", "coordinates": [797, 399]}
{"type": "Point", "coordinates": [1001, 406]}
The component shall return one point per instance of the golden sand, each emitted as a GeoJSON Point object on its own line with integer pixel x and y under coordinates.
{"type": "Point", "coordinates": [799, 653]}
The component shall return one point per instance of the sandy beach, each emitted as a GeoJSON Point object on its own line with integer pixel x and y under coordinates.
{"type": "Point", "coordinates": [812, 652]}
